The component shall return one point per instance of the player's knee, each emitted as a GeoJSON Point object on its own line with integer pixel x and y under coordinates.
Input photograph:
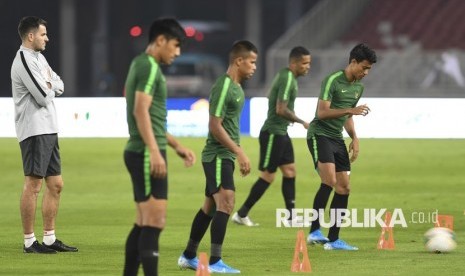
{"type": "Point", "coordinates": [330, 181]}
{"type": "Point", "coordinates": [268, 177]}
{"type": "Point", "coordinates": [56, 186]}
{"type": "Point", "coordinates": [209, 207]}
{"type": "Point", "coordinates": [59, 186]}
{"type": "Point", "coordinates": [226, 205]}
{"type": "Point", "coordinates": [157, 221]}
{"type": "Point", "coordinates": [160, 223]}
{"type": "Point", "coordinates": [152, 212]}
{"type": "Point", "coordinates": [33, 187]}
{"type": "Point", "coordinates": [288, 171]}
{"type": "Point", "coordinates": [346, 190]}
{"type": "Point", "coordinates": [343, 190]}
{"type": "Point", "coordinates": [228, 208]}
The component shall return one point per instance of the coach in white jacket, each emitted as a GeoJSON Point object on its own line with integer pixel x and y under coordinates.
{"type": "Point", "coordinates": [34, 86]}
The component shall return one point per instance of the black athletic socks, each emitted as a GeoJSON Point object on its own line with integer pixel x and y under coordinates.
{"type": "Point", "coordinates": [288, 190]}
{"type": "Point", "coordinates": [148, 249]}
{"type": "Point", "coordinates": [320, 201]}
{"type": "Point", "coordinates": [218, 227]}
{"type": "Point", "coordinates": [217, 232]}
{"type": "Point", "coordinates": [132, 259]}
{"type": "Point", "coordinates": [339, 202]}
{"type": "Point", "coordinates": [256, 192]}
{"type": "Point", "coordinates": [199, 227]}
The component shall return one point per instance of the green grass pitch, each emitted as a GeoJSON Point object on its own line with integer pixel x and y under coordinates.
{"type": "Point", "coordinates": [97, 210]}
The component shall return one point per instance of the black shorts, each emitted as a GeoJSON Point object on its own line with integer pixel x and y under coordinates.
{"type": "Point", "coordinates": [275, 150]}
{"type": "Point", "coordinates": [219, 172]}
{"type": "Point", "coordinates": [143, 183]}
{"type": "Point", "coordinates": [41, 155]}
{"type": "Point", "coordinates": [329, 150]}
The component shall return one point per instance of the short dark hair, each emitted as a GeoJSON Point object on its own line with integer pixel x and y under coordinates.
{"type": "Point", "coordinates": [28, 24]}
{"type": "Point", "coordinates": [168, 27]}
{"type": "Point", "coordinates": [241, 48]}
{"type": "Point", "coordinates": [362, 52]}
{"type": "Point", "coordinates": [298, 52]}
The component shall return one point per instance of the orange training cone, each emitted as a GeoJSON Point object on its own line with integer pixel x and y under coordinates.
{"type": "Point", "coordinates": [300, 248]}
{"type": "Point", "coordinates": [202, 267]}
{"type": "Point", "coordinates": [386, 240]}
{"type": "Point", "coordinates": [445, 221]}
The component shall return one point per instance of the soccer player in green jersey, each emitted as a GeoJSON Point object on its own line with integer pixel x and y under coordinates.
{"type": "Point", "coordinates": [145, 152]}
{"type": "Point", "coordinates": [276, 148]}
{"type": "Point", "coordinates": [221, 149]}
{"type": "Point", "coordinates": [337, 103]}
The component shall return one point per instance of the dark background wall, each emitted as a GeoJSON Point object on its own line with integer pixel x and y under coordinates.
{"type": "Point", "coordinates": [104, 47]}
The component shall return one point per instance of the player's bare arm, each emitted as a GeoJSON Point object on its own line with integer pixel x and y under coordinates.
{"type": "Point", "coordinates": [144, 125]}
{"type": "Point", "coordinates": [216, 128]}
{"type": "Point", "coordinates": [283, 111]}
{"type": "Point", "coordinates": [186, 154]}
{"type": "Point", "coordinates": [325, 111]}
{"type": "Point", "coordinates": [354, 146]}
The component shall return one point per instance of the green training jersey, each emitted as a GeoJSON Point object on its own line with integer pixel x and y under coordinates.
{"type": "Point", "coordinates": [226, 102]}
{"type": "Point", "coordinates": [146, 76]}
{"type": "Point", "coordinates": [342, 94]}
{"type": "Point", "coordinates": [284, 88]}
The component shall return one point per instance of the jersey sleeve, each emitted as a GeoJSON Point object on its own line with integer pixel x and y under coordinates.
{"type": "Point", "coordinates": [218, 98]}
{"type": "Point", "coordinates": [147, 73]}
{"type": "Point", "coordinates": [285, 86]}
{"type": "Point", "coordinates": [327, 88]}
{"type": "Point", "coordinates": [55, 81]}
{"type": "Point", "coordinates": [359, 96]}
{"type": "Point", "coordinates": [35, 82]}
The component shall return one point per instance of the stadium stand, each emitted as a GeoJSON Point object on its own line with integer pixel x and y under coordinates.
{"type": "Point", "coordinates": [435, 24]}
{"type": "Point", "coordinates": [420, 45]}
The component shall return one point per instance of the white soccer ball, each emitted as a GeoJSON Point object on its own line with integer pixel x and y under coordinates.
{"type": "Point", "coordinates": [440, 240]}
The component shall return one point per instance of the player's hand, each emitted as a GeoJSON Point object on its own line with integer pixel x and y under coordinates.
{"type": "Point", "coordinates": [353, 150]}
{"type": "Point", "coordinates": [305, 125]}
{"type": "Point", "coordinates": [157, 165]}
{"type": "Point", "coordinates": [361, 110]}
{"type": "Point", "coordinates": [244, 163]}
{"type": "Point", "coordinates": [187, 155]}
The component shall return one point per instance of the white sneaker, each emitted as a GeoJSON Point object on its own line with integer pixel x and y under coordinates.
{"type": "Point", "coordinates": [243, 221]}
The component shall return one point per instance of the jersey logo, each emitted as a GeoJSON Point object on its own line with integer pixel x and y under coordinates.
{"type": "Point", "coordinates": [356, 95]}
{"type": "Point", "coordinates": [238, 99]}
{"type": "Point", "coordinates": [343, 91]}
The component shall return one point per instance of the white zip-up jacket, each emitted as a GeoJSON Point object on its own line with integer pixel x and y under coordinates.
{"type": "Point", "coordinates": [34, 108]}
